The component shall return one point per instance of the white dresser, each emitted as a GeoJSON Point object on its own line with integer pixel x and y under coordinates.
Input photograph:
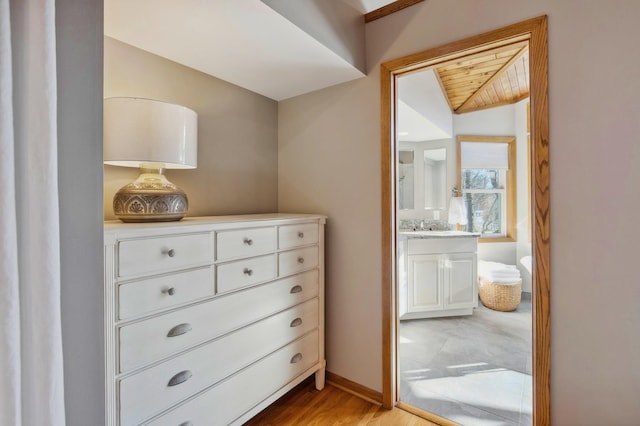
{"type": "Point", "coordinates": [209, 320]}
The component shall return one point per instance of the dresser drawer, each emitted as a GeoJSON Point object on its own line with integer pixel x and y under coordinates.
{"type": "Point", "coordinates": [169, 253]}
{"type": "Point", "coordinates": [152, 294]}
{"type": "Point", "coordinates": [291, 262]}
{"type": "Point", "coordinates": [147, 341]}
{"type": "Point", "coordinates": [148, 392]}
{"type": "Point", "coordinates": [245, 272]}
{"type": "Point", "coordinates": [245, 243]}
{"type": "Point", "coordinates": [228, 400]}
{"type": "Point", "coordinates": [291, 236]}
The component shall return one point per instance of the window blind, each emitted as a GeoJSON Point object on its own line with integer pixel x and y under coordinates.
{"type": "Point", "coordinates": [481, 155]}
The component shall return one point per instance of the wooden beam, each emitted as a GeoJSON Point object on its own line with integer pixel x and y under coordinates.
{"type": "Point", "coordinates": [389, 9]}
{"type": "Point", "coordinates": [492, 105]}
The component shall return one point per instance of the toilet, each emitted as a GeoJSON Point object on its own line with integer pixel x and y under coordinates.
{"type": "Point", "coordinates": [499, 286]}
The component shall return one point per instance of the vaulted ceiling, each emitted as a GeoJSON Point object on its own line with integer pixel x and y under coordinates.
{"type": "Point", "coordinates": [429, 97]}
{"type": "Point", "coordinates": [488, 79]}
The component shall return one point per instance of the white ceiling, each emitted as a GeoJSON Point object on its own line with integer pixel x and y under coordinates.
{"type": "Point", "coordinates": [244, 42]}
{"type": "Point", "coordinates": [248, 43]}
{"type": "Point", "coordinates": [415, 127]}
{"type": "Point", "coordinates": [423, 111]}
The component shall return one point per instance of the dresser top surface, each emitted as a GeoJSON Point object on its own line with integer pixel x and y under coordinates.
{"type": "Point", "coordinates": [263, 219]}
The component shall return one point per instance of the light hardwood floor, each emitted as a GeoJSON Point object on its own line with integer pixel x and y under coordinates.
{"type": "Point", "coordinates": [306, 406]}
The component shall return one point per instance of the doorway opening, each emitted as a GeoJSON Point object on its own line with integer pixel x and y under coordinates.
{"type": "Point", "coordinates": [533, 35]}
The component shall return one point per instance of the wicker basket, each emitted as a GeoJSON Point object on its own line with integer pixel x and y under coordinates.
{"type": "Point", "coordinates": [500, 296]}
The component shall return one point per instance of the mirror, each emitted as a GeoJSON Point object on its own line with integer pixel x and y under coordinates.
{"type": "Point", "coordinates": [422, 177]}
{"type": "Point", "coordinates": [435, 179]}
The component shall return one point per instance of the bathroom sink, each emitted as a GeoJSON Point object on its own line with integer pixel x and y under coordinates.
{"type": "Point", "coordinates": [438, 234]}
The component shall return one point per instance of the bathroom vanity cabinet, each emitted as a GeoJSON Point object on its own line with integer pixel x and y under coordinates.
{"type": "Point", "coordinates": [438, 274]}
{"type": "Point", "coordinates": [210, 320]}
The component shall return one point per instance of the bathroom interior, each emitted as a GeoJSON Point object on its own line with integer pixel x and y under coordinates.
{"type": "Point", "coordinates": [464, 246]}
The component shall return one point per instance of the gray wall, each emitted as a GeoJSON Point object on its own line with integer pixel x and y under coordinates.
{"type": "Point", "coordinates": [329, 162]}
{"type": "Point", "coordinates": [237, 133]}
{"type": "Point", "coordinates": [79, 58]}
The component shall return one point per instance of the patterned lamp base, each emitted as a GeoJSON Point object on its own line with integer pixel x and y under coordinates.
{"type": "Point", "coordinates": [150, 198]}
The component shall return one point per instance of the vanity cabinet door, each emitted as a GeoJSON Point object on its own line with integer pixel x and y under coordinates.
{"type": "Point", "coordinates": [460, 277]}
{"type": "Point", "coordinates": [425, 292]}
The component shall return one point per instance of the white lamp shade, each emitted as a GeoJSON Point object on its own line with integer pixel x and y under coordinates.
{"type": "Point", "coordinates": [457, 211]}
{"type": "Point", "coordinates": [140, 131]}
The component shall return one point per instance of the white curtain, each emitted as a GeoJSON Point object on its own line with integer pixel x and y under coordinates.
{"type": "Point", "coordinates": [31, 376]}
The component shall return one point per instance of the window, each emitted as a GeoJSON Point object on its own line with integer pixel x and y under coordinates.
{"type": "Point", "coordinates": [486, 170]}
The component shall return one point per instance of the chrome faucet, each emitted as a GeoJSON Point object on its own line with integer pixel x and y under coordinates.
{"type": "Point", "coordinates": [428, 226]}
{"type": "Point", "coordinates": [425, 228]}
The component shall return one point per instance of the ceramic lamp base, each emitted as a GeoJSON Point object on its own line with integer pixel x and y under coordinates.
{"type": "Point", "coordinates": [150, 198]}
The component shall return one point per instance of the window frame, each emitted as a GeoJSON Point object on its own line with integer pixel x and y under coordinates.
{"type": "Point", "coordinates": [511, 200]}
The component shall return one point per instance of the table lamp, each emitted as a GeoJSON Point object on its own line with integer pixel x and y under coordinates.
{"type": "Point", "coordinates": [152, 135]}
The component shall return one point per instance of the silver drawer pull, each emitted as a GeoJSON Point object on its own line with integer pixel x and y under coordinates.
{"type": "Point", "coordinates": [248, 241]}
{"type": "Point", "coordinates": [248, 271]}
{"type": "Point", "coordinates": [296, 322]}
{"type": "Point", "coordinates": [301, 260]}
{"type": "Point", "coordinates": [300, 234]}
{"type": "Point", "coordinates": [181, 377]}
{"type": "Point", "coordinates": [179, 330]}
{"type": "Point", "coordinates": [171, 252]}
{"type": "Point", "coordinates": [296, 358]}
{"type": "Point", "coordinates": [187, 423]}
{"type": "Point", "coordinates": [296, 289]}
{"type": "Point", "coordinates": [170, 291]}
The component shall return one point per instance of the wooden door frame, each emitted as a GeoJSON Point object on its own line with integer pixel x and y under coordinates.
{"type": "Point", "coordinates": [535, 31]}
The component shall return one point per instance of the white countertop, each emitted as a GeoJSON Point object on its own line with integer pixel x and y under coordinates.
{"type": "Point", "coordinates": [437, 234]}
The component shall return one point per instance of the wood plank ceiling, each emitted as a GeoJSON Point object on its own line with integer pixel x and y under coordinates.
{"type": "Point", "coordinates": [488, 79]}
